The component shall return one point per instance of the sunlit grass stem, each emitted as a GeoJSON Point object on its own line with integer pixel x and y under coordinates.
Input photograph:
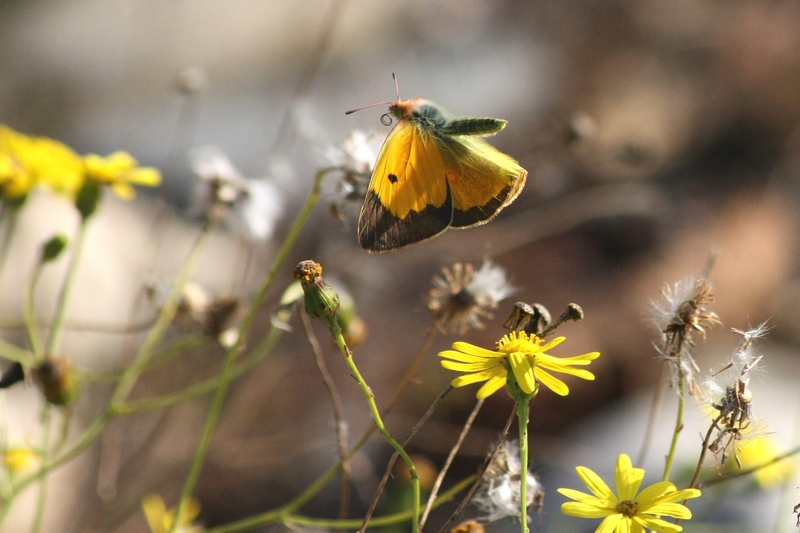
{"type": "Point", "coordinates": [230, 357]}
{"type": "Point", "coordinates": [66, 288]}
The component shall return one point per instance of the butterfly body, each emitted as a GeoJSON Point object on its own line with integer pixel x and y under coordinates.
{"type": "Point", "coordinates": [435, 172]}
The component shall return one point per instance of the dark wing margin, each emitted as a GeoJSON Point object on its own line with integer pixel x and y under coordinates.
{"type": "Point", "coordinates": [380, 231]}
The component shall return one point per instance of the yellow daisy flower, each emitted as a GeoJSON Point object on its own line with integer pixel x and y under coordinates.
{"type": "Point", "coordinates": [21, 460]}
{"type": "Point", "coordinates": [628, 511]}
{"type": "Point", "coordinates": [160, 519]}
{"type": "Point", "coordinates": [521, 353]}
{"type": "Point", "coordinates": [26, 161]}
{"type": "Point", "coordinates": [758, 450]}
{"type": "Point", "coordinates": [120, 170]}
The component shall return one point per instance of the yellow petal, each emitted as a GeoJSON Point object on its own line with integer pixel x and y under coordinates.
{"type": "Point", "coordinates": [491, 386]}
{"type": "Point", "coordinates": [595, 484]}
{"type": "Point", "coordinates": [552, 383]}
{"type": "Point", "coordinates": [628, 479]}
{"type": "Point", "coordinates": [471, 349]}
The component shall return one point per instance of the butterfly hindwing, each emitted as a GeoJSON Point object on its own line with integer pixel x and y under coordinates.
{"type": "Point", "coordinates": [409, 198]}
{"type": "Point", "coordinates": [482, 179]}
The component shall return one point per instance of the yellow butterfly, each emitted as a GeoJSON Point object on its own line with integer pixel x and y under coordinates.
{"type": "Point", "coordinates": [435, 172]}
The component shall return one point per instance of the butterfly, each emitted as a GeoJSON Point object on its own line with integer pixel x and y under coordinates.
{"type": "Point", "coordinates": [434, 172]}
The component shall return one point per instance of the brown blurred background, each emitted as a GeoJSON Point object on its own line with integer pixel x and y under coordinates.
{"type": "Point", "coordinates": [654, 133]}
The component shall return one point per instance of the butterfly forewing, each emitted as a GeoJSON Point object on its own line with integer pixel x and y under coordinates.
{"type": "Point", "coordinates": [408, 199]}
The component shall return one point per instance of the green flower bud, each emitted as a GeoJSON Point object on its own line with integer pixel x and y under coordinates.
{"type": "Point", "coordinates": [53, 248]}
{"type": "Point", "coordinates": [321, 301]}
{"type": "Point", "coordinates": [88, 199]}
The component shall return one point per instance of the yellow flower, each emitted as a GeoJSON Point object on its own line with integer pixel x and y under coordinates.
{"type": "Point", "coordinates": [632, 511]}
{"type": "Point", "coordinates": [26, 161]}
{"type": "Point", "coordinates": [521, 353]}
{"type": "Point", "coordinates": [120, 170]}
{"type": "Point", "coordinates": [21, 460]}
{"type": "Point", "coordinates": [755, 451]}
{"type": "Point", "coordinates": [160, 519]}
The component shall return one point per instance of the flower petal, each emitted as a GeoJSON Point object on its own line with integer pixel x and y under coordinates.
{"type": "Point", "coordinates": [469, 379]}
{"type": "Point", "coordinates": [467, 367]}
{"type": "Point", "coordinates": [583, 510]}
{"type": "Point", "coordinates": [628, 479]}
{"type": "Point", "coordinates": [595, 484]}
{"type": "Point", "coordinates": [552, 383]}
{"type": "Point", "coordinates": [553, 343]}
{"type": "Point", "coordinates": [657, 524]}
{"type": "Point", "coordinates": [491, 386]}
{"type": "Point", "coordinates": [654, 493]}
{"type": "Point", "coordinates": [675, 510]}
{"type": "Point", "coordinates": [464, 357]}
{"type": "Point", "coordinates": [471, 349]}
{"type": "Point", "coordinates": [611, 524]}
{"type": "Point", "coordinates": [523, 371]}
{"type": "Point", "coordinates": [583, 497]}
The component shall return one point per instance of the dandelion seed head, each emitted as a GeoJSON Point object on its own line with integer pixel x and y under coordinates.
{"type": "Point", "coordinates": [499, 494]}
{"type": "Point", "coordinates": [462, 297]}
{"type": "Point", "coordinates": [355, 159]}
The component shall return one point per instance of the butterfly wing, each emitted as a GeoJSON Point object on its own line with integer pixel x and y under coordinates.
{"type": "Point", "coordinates": [482, 179]}
{"type": "Point", "coordinates": [409, 198]}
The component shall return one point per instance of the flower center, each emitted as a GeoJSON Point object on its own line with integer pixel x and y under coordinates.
{"type": "Point", "coordinates": [463, 299]}
{"type": "Point", "coordinates": [628, 508]}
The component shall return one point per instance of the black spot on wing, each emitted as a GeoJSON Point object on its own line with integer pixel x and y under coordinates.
{"type": "Point", "coordinates": [392, 178]}
{"type": "Point", "coordinates": [380, 231]}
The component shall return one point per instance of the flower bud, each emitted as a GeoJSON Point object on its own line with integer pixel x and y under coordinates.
{"type": "Point", "coordinates": [88, 199]}
{"type": "Point", "coordinates": [53, 248]}
{"type": "Point", "coordinates": [56, 377]}
{"type": "Point", "coordinates": [321, 301]}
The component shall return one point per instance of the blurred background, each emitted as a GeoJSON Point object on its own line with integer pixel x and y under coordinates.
{"type": "Point", "coordinates": [656, 134]}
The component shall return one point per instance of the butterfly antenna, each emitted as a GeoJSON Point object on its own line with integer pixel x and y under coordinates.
{"type": "Point", "coordinates": [396, 91]}
{"type": "Point", "coordinates": [396, 86]}
{"type": "Point", "coordinates": [367, 107]}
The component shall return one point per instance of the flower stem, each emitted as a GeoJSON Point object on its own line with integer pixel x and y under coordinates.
{"type": "Point", "coordinates": [449, 461]}
{"type": "Point", "coordinates": [336, 330]}
{"type": "Point", "coordinates": [30, 314]}
{"type": "Point", "coordinates": [678, 419]}
{"type": "Point", "coordinates": [523, 414]}
{"type": "Point", "coordinates": [226, 375]}
{"type": "Point", "coordinates": [128, 379]}
{"type": "Point", "coordinates": [41, 498]}
{"type": "Point", "coordinates": [66, 288]}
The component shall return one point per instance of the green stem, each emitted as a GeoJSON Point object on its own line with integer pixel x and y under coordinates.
{"type": "Point", "coordinates": [128, 379]}
{"type": "Point", "coordinates": [678, 419]}
{"type": "Point", "coordinates": [30, 315]}
{"type": "Point", "coordinates": [204, 387]}
{"type": "Point", "coordinates": [523, 414]}
{"type": "Point", "coordinates": [284, 516]}
{"type": "Point", "coordinates": [230, 357]}
{"type": "Point", "coordinates": [9, 215]}
{"type": "Point", "coordinates": [336, 330]}
{"type": "Point", "coordinates": [66, 288]}
{"type": "Point", "coordinates": [38, 516]}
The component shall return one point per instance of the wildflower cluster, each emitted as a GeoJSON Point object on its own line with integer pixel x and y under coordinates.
{"type": "Point", "coordinates": [27, 162]}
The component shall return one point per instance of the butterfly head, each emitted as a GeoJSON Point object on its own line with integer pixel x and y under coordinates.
{"type": "Point", "coordinates": [405, 108]}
